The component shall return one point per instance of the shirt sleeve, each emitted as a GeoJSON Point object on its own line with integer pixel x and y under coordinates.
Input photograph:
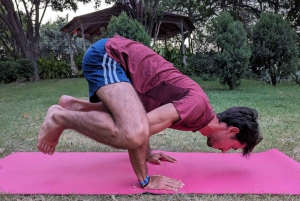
{"type": "Point", "coordinates": [195, 112]}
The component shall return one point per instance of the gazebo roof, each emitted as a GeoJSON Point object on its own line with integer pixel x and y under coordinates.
{"type": "Point", "coordinates": [92, 22]}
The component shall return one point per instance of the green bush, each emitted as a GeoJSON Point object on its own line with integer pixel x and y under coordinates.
{"type": "Point", "coordinates": [128, 28]}
{"type": "Point", "coordinates": [25, 69]}
{"type": "Point", "coordinates": [231, 49]}
{"type": "Point", "coordinates": [50, 68]}
{"type": "Point", "coordinates": [203, 66]}
{"type": "Point", "coordinates": [174, 55]}
{"type": "Point", "coordinates": [171, 54]}
{"type": "Point", "coordinates": [12, 71]}
{"type": "Point", "coordinates": [275, 48]}
{"type": "Point", "coordinates": [8, 72]}
{"type": "Point", "coordinates": [78, 60]}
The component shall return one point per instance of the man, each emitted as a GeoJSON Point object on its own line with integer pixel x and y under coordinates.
{"type": "Point", "coordinates": [134, 93]}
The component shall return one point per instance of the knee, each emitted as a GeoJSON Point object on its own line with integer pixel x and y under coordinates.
{"type": "Point", "coordinates": [64, 101]}
{"type": "Point", "coordinates": [137, 136]}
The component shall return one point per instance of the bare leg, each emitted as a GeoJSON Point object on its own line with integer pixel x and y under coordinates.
{"type": "Point", "coordinates": [48, 142]}
{"type": "Point", "coordinates": [126, 126]}
{"type": "Point", "coordinates": [74, 104]}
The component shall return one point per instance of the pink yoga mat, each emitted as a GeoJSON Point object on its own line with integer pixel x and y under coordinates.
{"type": "Point", "coordinates": [270, 172]}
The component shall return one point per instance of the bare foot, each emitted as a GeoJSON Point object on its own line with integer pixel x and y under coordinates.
{"type": "Point", "coordinates": [49, 132]}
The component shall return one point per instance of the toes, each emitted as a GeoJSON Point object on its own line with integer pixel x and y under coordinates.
{"type": "Point", "coordinates": [43, 148]}
{"type": "Point", "coordinates": [51, 151]}
{"type": "Point", "coordinates": [47, 148]}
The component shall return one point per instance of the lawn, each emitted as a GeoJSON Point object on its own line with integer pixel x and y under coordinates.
{"type": "Point", "coordinates": [24, 105]}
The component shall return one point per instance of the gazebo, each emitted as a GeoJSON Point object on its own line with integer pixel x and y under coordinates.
{"type": "Point", "coordinates": [88, 26]}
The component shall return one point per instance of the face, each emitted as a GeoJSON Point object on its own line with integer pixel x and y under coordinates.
{"type": "Point", "coordinates": [224, 142]}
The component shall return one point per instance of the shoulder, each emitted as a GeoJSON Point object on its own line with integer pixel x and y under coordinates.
{"type": "Point", "coordinates": [195, 110]}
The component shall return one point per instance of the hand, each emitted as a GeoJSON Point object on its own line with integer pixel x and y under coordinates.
{"type": "Point", "coordinates": [159, 182]}
{"type": "Point", "coordinates": [156, 158]}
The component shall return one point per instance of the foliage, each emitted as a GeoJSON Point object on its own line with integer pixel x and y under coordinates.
{"type": "Point", "coordinates": [50, 68]}
{"type": "Point", "coordinates": [128, 28]}
{"type": "Point", "coordinates": [275, 47]}
{"type": "Point", "coordinates": [19, 70]}
{"type": "Point", "coordinates": [23, 19]}
{"type": "Point", "coordinates": [248, 12]}
{"type": "Point", "coordinates": [8, 45]}
{"type": "Point", "coordinates": [173, 54]}
{"type": "Point", "coordinates": [145, 12]}
{"type": "Point", "coordinates": [170, 53]}
{"type": "Point", "coordinates": [203, 66]}
{"type": "Point", "coordinates": [78, 61]}
{"type": "Point", "coordinates": [295, 76]}
{"type": "Point", "coordinates": [231, 50]}
{"type": "Point", "coordinates": [55, 43]}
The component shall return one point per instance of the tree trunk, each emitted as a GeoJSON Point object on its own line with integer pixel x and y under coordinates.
{"type": "Point", "coordinates": [28, 45]}
{"type": "Point", "coordinates": [146, 13]}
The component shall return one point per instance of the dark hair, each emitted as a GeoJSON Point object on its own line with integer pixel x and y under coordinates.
{"type": "Point", "coordinates": [245, 119]}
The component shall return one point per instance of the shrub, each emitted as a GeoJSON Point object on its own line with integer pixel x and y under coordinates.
{"type": "Point", "coordinates": [231, 49]}
{"type": "Point", "coordinates": [25, 69]}
{"type": "Point", "coordinates": [19, 70]}
{"type": "Point", "coordinates": [174, 55]}
{"type": "Point", "coordinates": [128, 28]}
{"type": "Point", "coordinates": [202, 65]}
{"type": "Point", "coordinates": [50, 68]}
{"type": "Point", "coordinates": [275, 47]}
{"type": "Point", "coordinates": [78, 60]}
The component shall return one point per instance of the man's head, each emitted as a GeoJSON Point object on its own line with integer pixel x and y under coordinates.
{"type": "Point", "coordinates": [243, 126]}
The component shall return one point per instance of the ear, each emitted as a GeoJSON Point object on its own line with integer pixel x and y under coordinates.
{"type": "Point", "coordinates": [233, 131]}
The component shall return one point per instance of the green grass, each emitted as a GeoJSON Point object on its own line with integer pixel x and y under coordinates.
{"type": "Point", "coordinates": [23, 107]}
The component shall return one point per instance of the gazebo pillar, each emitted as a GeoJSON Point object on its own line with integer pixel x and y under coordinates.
{"type": "Point", "coordinates": [156, 32]}
{"type": "Point", "coordinates": [73, 66]}
{"type": "Point", "coordinates": [83, 36]}
{"type": "Point", "coordinates": [182, 43]}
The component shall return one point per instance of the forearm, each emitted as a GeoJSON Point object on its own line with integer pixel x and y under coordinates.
{"type": "Point", "coordinates": [138, 161]}
{"type": "Point", "coordinates": [159, 119]}
{"type": "Point", "coordinates": [148, 151]}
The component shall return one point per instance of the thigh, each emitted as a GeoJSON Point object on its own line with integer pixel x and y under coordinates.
{"type": "Point", "coordinates": [124, 104]}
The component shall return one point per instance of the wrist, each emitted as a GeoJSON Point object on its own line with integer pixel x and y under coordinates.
{"type": "Point", "coordinates": [148, 154]}
{"type": "Point", "coordinates": [145, 182]}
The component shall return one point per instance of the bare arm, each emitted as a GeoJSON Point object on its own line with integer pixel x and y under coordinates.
{"type": "Point", "coordinates": [159, 119]}
{"type": "Point", "coordinates": [162, 118]}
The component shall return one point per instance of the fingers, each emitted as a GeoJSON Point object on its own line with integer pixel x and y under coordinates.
{"type": "Point", "coordinates": [167, 158]}
{"type": "Point", "coordinates": [156, 158]}
{"type": "Point", "coordinates": [155, 161]}
{"type": "Point", "coordinates": [159, 182]}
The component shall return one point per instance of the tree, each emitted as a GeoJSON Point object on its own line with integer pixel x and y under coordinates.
{"type": "Point", "coordinates": [55, 43]}
{"type": "Point", "coordinates": [144, 11]}
{"type": "Point", "coordinates": [127, 28]}
{"type": "Point", "coordinates": [232, 52]}
{"type": "Point", "coordinates": [275, 46]}
{"type": "Point", "coordinates": [9, 48]}
{"type": "Point", "coordinates": [23, 19]}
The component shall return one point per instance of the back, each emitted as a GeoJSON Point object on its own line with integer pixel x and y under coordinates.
{"type": "Point", "coordinates": [158, 82]}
